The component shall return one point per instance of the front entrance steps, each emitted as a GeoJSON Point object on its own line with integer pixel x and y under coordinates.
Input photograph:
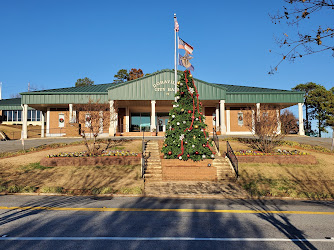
{"type": "Point", "coordinates": [224, 170]}
{"type": "Point", "coordinates": [153, 171]}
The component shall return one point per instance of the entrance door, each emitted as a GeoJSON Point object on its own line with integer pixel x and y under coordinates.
{"type": "Point", "coordinates": [162, 123]}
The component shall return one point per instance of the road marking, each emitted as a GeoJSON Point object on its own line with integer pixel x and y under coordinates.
{"type": "Point", "coordinates": [178, 210]}
{"type": "Point", "coordinates": [162, 239]}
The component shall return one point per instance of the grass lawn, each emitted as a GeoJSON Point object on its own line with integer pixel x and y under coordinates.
{"type": "Point", "coordinates": [14, 131]}
{"type": "Point", "coordinates": [23, 173]}
{"type": "Point", "coordinates": [287, 180]}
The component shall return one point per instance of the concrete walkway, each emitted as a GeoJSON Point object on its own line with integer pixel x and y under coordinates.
{"type": "Point", "coordinates": [16, 145]}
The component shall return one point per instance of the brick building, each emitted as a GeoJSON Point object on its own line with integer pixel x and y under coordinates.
{"type": "Point", "coordinates": [143, 105]}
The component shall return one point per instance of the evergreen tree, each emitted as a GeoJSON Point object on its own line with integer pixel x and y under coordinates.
{"type": "Point", "coordinates": [84, 82]}
{"type": "Point", "coordinates": [186, 137]}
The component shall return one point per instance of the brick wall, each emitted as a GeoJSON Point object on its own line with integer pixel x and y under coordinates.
{"type": "Point", "coordinates": [235, 127]}
{"type": "Point", "coordinates": [54, 122]}
{"type": "Point", "coordinates": [189, 173]}
{"type": "Point", "coordinates": [208, 118]}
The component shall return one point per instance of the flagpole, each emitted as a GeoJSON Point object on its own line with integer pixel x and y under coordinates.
{"type": "Point", "coordinates": [175, 59]}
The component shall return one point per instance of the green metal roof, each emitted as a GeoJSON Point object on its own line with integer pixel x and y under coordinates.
{"type": "Point", "coordinates": [243, 89]}
{"type": "Point", "coordinates": [160, 86]}
{"type": "Point", "coordinates": [99, 88]}
{"type": "Point", "coordinates": [11, 104]}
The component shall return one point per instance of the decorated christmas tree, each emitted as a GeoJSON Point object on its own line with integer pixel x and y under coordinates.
{"type": "Point", "coordinates": [186, 136]}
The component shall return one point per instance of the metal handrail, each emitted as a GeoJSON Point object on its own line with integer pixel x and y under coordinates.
{"type": "Point", "coordinates": [143, 159]}
{"type": "Point", "coordinates": [215, 139]}
{"type": "Point", "coordinates": [233, 159]}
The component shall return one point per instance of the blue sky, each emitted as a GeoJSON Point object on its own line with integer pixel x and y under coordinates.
{"type": "Point", "coordinates": [53, 43]}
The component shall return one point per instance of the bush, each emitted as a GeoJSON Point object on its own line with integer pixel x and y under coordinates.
{"type": "Point", "coordinates": [51, 189]}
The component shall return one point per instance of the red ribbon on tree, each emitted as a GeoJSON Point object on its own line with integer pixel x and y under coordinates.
{"type": "Point", "coordinates": [182, 149]}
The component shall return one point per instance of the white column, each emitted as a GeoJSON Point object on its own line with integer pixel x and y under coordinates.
{"type": "Point", "coordinates": [48, 122]}
{"type": "Point", "coordinates": [42, 121]}
{"type": "Point", "coordinates": [253, 121]}
{"type": "Point", "coordinates": [127, 119]}
{"type": "Point", "coordinates": [258, 111]}
{"type": "Point", "coordinates": [278, 121]}
{"type": "Point", "coordinates": [222, 117]}
{"type": "Point", "coordinates": [228, 120]}
{"type": "Point", "coordinates": [301, 120]}
{"type": "Point", "coordinates": [113, 119]}
{"type": "Point", "coordinates": [153, 125]}
{"type": "Point", "coordinates": [70, 111]}
{"type": "Point", "coordinates": [25, 121]}
{"type": "Point", "coordinates": [217, 118]}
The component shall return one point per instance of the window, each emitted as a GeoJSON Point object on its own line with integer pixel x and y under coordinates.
{"type": "Point", "coordinates": [19, 115]}
{"type": "Point", "coordinates": [87, 121]}
{"type": "Point", "coordinates": [240, 119]}
{"type": "Point", "coordinates": [29, 116]}
{"type": "Point", "coordinates": [140, 122]}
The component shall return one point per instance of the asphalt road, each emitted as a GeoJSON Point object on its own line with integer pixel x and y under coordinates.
{"type": "Point", "coordinates": [62, 222]}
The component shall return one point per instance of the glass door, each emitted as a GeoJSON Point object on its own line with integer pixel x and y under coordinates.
{"type": "Point", "coordinates": [162, 123]}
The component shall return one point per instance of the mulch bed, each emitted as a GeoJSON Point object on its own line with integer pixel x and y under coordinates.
{"type": "Point", "coordinates": [278, 159]}
{"type": "Point", "coordinates": [91, 161]}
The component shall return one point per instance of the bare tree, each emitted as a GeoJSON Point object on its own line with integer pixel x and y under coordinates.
{"type": "Point", "coordinates": [289, 123]}
{"type": "Point", "coordinates": [265, 125]}
{"type": "Point", "coordinates": [93, 117]}
{"type": "Point", "coordinates": [305, 41]}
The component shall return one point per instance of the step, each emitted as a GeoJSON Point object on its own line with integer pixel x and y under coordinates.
{"type": "Point", "coordinates": [152, 176]}
{"type": "Point", "coordinates": [155, 163]}
{"type": "Point", "coordinates": [154, 172]}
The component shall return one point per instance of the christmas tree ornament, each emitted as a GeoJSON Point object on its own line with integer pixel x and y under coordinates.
{"type": "Point", "coordinates": [203, 156]}
{"type": "Point", "coordinates": [180, 157]}
{"type": "Point", "coordinates": [182, 93]}
{"type": "Point", "coordinates": [196, 119]}
{"type": "Point", "coordinates": [189, 111]}
{"type": "Point", "coordinates": [194, 137]}
{"type": "Point", "coordinates": [196, 152]}
{"type": "Point", "coordinates": [173, 116]}
{"type": "Point", "coordinates": [191, 75]}
{"type": "Point", "coordinates": [182, 110]}
{"type": "Point", "coordinates": [196, 126]}
{"type": "Point", "coordinates": [204, 145]}
{"type": "Point", "coordinates": [184, 122]}
{"type": "Point", "coordinates": [193, 146]}
{"type": "Point", "coordinates": [201, 113]}
{"type": "Point", "coordinates": [169, 152]}
{"type": "Point", "coordinates": [177, 123]}
{"type": "Point", "coordinates": [178, 83]}
{"type": "Point", "coordinates": [188, 155]}
{"type": "Point", "coordinates": [212, 156]}
{"type": "Point", "coordinates": [186, 142]}
{"type": "Point", "coordinates": [166, 145]}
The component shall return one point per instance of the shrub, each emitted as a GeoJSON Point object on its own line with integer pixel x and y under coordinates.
{"type": "Point", "coordinates": [51, 189]}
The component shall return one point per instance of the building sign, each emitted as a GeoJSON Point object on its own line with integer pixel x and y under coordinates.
{"type": "Point", "coordinates": [164, 86]}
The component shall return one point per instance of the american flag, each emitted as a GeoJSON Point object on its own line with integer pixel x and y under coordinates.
{"type": "Point", "coordinates": [176, 25]}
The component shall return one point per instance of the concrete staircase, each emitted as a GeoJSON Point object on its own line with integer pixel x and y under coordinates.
{"type": "Point", "coordinates": [153, 171]}
{"type": "Point", "coordinates": [225, 172]}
